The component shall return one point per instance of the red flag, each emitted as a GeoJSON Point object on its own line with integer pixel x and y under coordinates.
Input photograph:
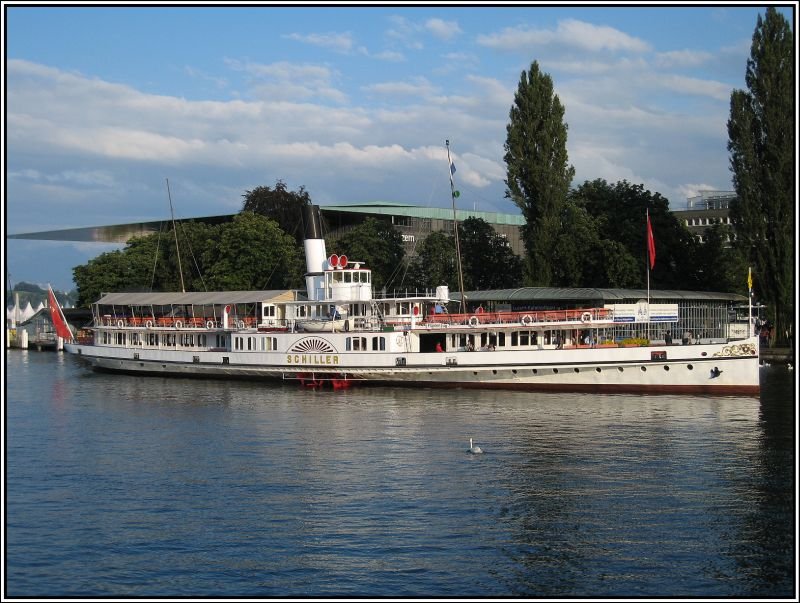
{"type": "Point", "coordinates": [651, 243]}
{"type": "Point", "coordinates": [59, 322]}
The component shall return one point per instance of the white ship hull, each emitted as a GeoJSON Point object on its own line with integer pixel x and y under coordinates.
{"type": "Point", "coordinates": [705, 368]}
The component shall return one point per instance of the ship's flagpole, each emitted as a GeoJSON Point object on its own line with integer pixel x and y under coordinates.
{"type": "Point", "coordinates": [751, 326]}
{"type": "Point", "coordinates": [453, 194]}
{"type": "Point", "coordinates": [651, 255]}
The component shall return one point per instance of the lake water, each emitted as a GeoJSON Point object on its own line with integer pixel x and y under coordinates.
{"type": "Point", "coordinates": [122, 486]}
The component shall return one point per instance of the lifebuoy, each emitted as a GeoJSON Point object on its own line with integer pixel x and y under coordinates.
{"type": "Point", "coordinates": [474, 322]}
{"type": "Point", "coordinates": [210, 324]}
{"type": "Point", "coordinates": [240, 324]}
{"type": "Point", "coordinates": [178, 324]}
{"type": "Point", "coordinates": [120, 323]}
{"type": "Point", "coordinates": [526, 320]}
{"type": "Point", "coordinates": [586, 317]}
{"type": "Point", "coordinates": [149, 324]}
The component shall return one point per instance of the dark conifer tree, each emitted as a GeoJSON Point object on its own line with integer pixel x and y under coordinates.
{"type": "Point", "coordinates": [761, 143]}
{"type": "Point", "coordinates": [538, 173]}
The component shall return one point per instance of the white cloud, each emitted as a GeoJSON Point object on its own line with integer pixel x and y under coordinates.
{"type": "Point", "coordinates": [419, 88]}
{"type": "Point", "coordinates": [682, 58]}
{"type": "Point", "coordinates": [340, 42]}
{"type": "Point", "coordinates": [569, 33]}
{"type": "Point", "coordinates": [444, 30]}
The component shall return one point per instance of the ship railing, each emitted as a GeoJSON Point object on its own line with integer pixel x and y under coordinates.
{"type": "Point", "coordinates": [176, 322]}
{"type": "Point", "coordinates": [584, 316]}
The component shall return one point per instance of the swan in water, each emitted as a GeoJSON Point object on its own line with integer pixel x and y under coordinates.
{"type": "Point", "coordinates": [474, 449]}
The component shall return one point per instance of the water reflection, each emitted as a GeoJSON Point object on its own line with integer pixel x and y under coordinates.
{"type": "Point", "coordinates": [126, 486]}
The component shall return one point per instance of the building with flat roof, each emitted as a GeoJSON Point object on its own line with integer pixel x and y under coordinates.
{"type": "Point", "coordinates": [705, 210]}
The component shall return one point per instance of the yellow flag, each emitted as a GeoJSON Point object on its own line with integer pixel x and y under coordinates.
{"type": "Point", "coordinates": [749, 278]}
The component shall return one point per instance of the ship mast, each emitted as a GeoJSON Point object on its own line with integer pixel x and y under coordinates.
{"type": "Point", "coordinates": [175, 230]}
{"type": "Point", "coordinates": [453, 195]}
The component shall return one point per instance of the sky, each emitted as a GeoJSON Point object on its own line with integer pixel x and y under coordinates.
{"type": "Point", "coordinates": [104, 104]}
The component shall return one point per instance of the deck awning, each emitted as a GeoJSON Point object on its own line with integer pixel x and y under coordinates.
{"type": "Point", "coordinates": [197, 298]}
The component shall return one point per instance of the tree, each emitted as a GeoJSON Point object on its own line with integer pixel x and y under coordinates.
{"type": "Point", "coordinates": [619, 211]}
{"type": "Point", "coordinates": [761, 145]}
{"type": "Point", "coordinates": [488, 261]}
{"type": "Point", "coordinates": [253, 253]}
{"type": "Point", "coordinates": [119, 270]}
{"type": "Point", "coordinates": [720, 265]}
{"type": "Point", "coordinates": [538, 174]}
{"type": "Point", "coordinates": [435, 263]}
{"type": "Point", "coordinates": [379, 245]}
{"type": "Point", "coordinates": [279, 204]}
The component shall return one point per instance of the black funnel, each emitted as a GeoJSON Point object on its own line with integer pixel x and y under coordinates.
{"type": "Point", "coordinates": [312, 220]}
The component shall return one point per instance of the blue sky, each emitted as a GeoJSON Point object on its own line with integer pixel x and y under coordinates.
{"type": "Point", "coordinates": [354, 103]}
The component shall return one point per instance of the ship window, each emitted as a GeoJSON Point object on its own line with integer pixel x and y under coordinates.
{"type": "Point", "coordinates": [337, 277]}
{"type": "Point", "coordinates": [348, 277]}
{"type": "Point", "coordinates": [501, 340]}
{"type": "Point", "coordinates": [514, 338]}
{"type": "Point", "coordinates": [524, 337]}
{"type": "Point", "coordinates": [269, 311]}
{"type": "Point", "coordinates": [378, 343]}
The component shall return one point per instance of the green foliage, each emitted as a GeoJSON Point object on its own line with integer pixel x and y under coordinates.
{"type": "Point", "coordinates": [538, 174]}
{"type": "Point", "coordinates": [487, 258]}
{"type": "Point", "coordinates": [435, 263]}
{"type": "Point", "coordinates": [281, 205]}
{"type": "Point", "coordinates": [110, 271]}
{"type": "Point", "coordinates": [613, 252]}
{"type": "Point", "coordinates": [253, 253]}
{"type": "Point", "coordinates": [720, 266]}
{"type": "Point", "coordinates": [761, 144]}
{"type": "Point", "coordinates": [379, 245]}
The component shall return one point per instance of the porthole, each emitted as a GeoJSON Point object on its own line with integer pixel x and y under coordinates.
{"type": "Point", "coordinates": [644, 369]}
{"type": "Point", "coordinates": [474, 372]}
{"type": "Point", "coordinates": [597, 369]}
{"type": "Point", "coordinates": [620, 369]}
{"type": "Point", "coordinates": [494, 372]}
{"type": "Point", "coordinates": [666, 368]}
{"type": "Point", "coordinates": [535, 371]}
{"type": "Point", "coordinates": [555, 370]}
{"type": "Point", "coordinates": [690, 367]}
{"type": "Point", "coordinates": [704, 353]}
{"type": "Point", "coordinates": [577, 370]}
{"type": "Point", "coordinates": [514, 371]}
